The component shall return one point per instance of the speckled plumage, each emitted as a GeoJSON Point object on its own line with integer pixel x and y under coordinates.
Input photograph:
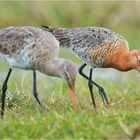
{"type": "Point", "coordinates": [27, 47]}
{"type": "Point", "coordinates": [32, 48]}
{"type": "Point", "coordinates": [96, 46]}
{"type": "Point", "coordinates": [99, 48]}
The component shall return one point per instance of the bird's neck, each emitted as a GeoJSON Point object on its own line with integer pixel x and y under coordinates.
{"type": "Point", "coordinates": [52, 68]}
{"type": "Point", "coordinates": [124, 61]}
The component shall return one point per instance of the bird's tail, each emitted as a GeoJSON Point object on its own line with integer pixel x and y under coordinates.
{"type": "Point", "coordinates": [61, 35]}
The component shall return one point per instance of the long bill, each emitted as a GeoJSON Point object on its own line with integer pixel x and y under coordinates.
{"type": "Point", "coordinates": [74, 97]}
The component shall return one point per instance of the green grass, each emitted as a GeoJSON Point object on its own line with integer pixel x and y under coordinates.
{"type": "Point", "coordinates": [24, 118]}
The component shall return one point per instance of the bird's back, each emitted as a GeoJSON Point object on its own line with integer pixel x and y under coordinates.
{"type": "Point", "coordinates": [26, 46]}
{"type": "Point", "coordinates": [94, 45]}
{"type": "Point", "coordinates": [14, 39]}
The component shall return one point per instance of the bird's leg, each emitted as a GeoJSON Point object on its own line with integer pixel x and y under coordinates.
{"type": "Point", "coordinates": [35, 93]}
{"type": "Point", "coordinates": [90, 84]}
{"type": "Point", "coordinates": [101, 90]}
{"type": "Point", "coordinates": [103, 94]}
{"type": "Point", "coordinates": [4, 88]}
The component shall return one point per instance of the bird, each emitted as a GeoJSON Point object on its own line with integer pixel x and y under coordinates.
{"type": "Point", "coordinates": [33, 48]}
{"type": "Point", "coordinates": [98, 47]}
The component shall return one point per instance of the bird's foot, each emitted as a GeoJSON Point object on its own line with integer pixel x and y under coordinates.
{"type": "Point", "coordinates": [104, 96]}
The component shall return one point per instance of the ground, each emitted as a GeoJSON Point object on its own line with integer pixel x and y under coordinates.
{"type": "Point", "coordinates": [24, 118]}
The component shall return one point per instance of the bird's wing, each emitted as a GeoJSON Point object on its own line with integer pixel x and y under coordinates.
{"type": "Point", "coordinates": [13, 38]}
{"type": "Point", "coordinates": [93, 37]}
{"type": "Point", "coordinates": [92, 43]}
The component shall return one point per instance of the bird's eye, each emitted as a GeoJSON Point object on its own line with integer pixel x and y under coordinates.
{"type": "Point", "coordinates": [138, 58]}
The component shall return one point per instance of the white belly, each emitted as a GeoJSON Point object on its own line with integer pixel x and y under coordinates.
{"type": "Point", "coordinates": [22, 59]}
{"type": "Point", "coordinates": [18, 61]}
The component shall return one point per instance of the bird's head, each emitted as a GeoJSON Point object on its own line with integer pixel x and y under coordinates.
{"type": "Point", "coordinates": [69, 73]}
{"type": "Point", "coordinates": [129, 61]}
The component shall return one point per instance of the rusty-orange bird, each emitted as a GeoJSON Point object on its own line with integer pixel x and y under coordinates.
{"type": "Point", "coordinates": [99, 48]}
{"type": "Point", "coordinates": [35, 49]}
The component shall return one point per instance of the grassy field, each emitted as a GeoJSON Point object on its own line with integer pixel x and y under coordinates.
{"type": "Point", "coordinates": [24, 118]}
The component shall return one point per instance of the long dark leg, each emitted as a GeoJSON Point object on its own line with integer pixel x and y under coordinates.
{"type": "Point", "coordinates": [35, 93]}
{"type": "Point", "coordinates": [101, 90]}
{"type": "Point", "coordinates": [4, 88]}
{"type": "Point", "coordinates": [90, 85]}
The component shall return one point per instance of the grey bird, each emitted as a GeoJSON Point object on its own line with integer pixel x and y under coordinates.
{"type": "Point", "coordinates": [32, 48]}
